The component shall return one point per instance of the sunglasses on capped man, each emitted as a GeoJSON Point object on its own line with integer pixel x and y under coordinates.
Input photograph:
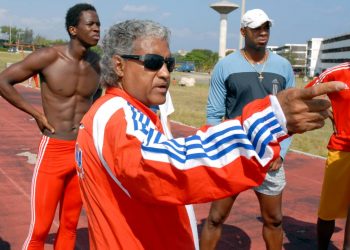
{"type": "Point", "coordinates": [153, 61]}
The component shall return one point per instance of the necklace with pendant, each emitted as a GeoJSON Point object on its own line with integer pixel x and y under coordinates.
{"type": "Point", "coordinates": [260, 75]}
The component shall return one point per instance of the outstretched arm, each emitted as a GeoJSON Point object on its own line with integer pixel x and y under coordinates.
{"type": "Point", "coordinates": [216, 162]}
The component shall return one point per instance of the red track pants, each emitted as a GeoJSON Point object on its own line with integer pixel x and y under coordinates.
{"type": "Point", "coordinates": [54, 181]}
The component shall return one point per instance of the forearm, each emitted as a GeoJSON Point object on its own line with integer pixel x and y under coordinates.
{"type": "Point", "coordinates": [10, 94]}
{"type": "Point", "coordinates": [18, 73]}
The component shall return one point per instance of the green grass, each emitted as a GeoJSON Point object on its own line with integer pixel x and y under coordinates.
{"type": "Point", "coordinates": [6, 57]}
{"type": "Point", "coordinates": [190, 104]}
{"type": "Point", "coordinates": [313, 142]}
{"type": "Point", "coordinates": [190, 108]}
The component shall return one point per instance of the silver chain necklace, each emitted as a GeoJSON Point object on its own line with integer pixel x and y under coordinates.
{"type": "Point", "coordinates": [260, 75]}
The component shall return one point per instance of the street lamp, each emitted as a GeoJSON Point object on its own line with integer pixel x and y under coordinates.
{"type": "Point", "coordinates": [10, 39]}
{"type": "Point", "coordinates": [18, 37]}
{"type": "Point", "coordinates": [242, 13]}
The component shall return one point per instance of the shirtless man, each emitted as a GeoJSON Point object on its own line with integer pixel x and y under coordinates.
{"type": "Point", "coordinates": [70, 77]}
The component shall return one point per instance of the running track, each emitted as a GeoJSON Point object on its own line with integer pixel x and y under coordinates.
{"type": "Point", "coordinates": [19, 139]}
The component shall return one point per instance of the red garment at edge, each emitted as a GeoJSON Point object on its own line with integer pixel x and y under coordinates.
{"type": "Point", "coordinates": [54, 181]}
{"type": "Point", "coordinates": [135, 181]}
{"type": "Point", "coordinates": [340, 140]}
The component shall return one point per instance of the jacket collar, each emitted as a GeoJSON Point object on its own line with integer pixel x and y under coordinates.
{"type": "Point", "coordinates": [115, 91]}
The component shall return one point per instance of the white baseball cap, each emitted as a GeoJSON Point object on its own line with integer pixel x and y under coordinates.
{"type": "Point", "coordinates": [254, 19]}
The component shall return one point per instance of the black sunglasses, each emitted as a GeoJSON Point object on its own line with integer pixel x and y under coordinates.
{"type": "Point", "coordinates": [153, 61]}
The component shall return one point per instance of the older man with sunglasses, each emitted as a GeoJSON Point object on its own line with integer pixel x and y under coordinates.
{"type": "Point", "coordinates": [135, 182]}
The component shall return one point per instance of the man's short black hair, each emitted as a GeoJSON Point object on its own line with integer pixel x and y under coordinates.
{"type": "Point", "coordinates": [73, 14]}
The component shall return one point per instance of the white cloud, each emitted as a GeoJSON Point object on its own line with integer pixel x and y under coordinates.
{"type": "Point", "coordinates": [181, 33]}
{"type": "Point", "coordinates": [333, 10]}
{"type": "Point", "coordinates": [3, 15]}
{"type": "Point", "coordinates": [52, 28]}
{"type": "Point", "coordinates": [166, 14]}
{"type": "Point", "coordinates": [139, 8]}
{"type": "Point", "coordinates": [194, 35]}
{"type": "Point", "coordinates": [3, 12]}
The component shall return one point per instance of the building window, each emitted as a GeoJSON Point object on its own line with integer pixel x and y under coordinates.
{"type": "Point", "coordinates": [337, 39]}
{"type": "Point", "coordinates": [336, 50]}
{"type": "Point", "coordinates": [341, 60]}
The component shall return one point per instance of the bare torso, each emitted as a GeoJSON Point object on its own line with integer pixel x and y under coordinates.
{"type": "Point", "coordinates": [67, 91]}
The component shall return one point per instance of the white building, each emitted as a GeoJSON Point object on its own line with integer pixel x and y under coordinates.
{"type": "Point", "coordinates": [313, 52]}
{"type": "Point", "coordinates": [272, 48]}
{"type": "Point", "coordinates": [296, 54]}
{"type": "Point", "coordinates": [334, 50]}
{"type": "Point", "coordinates": [182, 52]}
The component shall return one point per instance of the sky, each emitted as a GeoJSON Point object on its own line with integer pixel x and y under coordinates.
{"type": "Point", "coordinates": [193, 24]}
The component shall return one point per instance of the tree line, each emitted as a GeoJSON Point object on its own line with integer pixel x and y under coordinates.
{"type": "Point", "coordinates": [26, 36]}
{"type": "Point", "coordinates": [203, 59]}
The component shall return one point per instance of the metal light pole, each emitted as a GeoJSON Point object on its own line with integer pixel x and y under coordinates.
{"type": "Point", "coordinates": [240, 35]}
{"type": "Point", "coordinates": [224, 7]}
{"type": "Point", "coordinates": [10, 33]}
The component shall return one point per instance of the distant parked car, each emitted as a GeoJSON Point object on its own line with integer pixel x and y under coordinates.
{"type": "Point", "coordinates": [12, 50]}
{"type": "Point", "coordinates": [186, 67]}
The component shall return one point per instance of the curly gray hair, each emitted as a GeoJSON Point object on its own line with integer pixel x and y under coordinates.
{"type": "Point", "coordinates": [120, 40]}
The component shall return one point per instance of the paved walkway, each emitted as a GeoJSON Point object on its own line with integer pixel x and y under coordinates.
{"type": "Point", "coordinates": [19, 140]}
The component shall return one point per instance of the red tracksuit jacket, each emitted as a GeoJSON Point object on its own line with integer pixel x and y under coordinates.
{"type": "Point", "coordinates": [135, 182]}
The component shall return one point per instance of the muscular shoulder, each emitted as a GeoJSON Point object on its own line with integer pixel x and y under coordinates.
{"type": "Point", "coordinates": [36, 62]}
{"type": "Point", "coordinates": [45, 56]}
